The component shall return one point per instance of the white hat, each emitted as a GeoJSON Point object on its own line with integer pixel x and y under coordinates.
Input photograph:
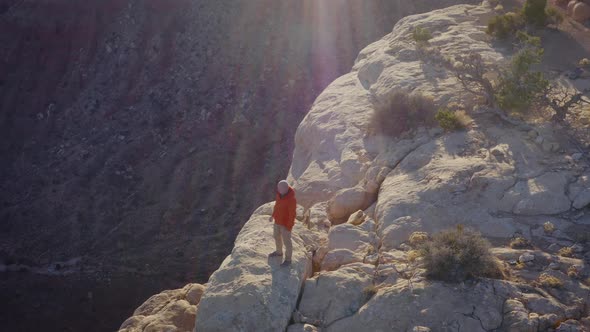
{"type": "Point", "coordinates": [283, 187]}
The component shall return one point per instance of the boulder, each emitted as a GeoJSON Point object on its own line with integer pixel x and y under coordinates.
{"type": "Point", "coordinates": [333, 295]}
{"type": "Point", "coordinates": [517, 319]}
{"type": "Point", "coordinates": [171, 310]}
{"type": "Point", "coordinates": [348, 236]}
{"type": "Point", "coordinates": [580, 11]}
{"type": "Point", "coordinates": [347, 201]}
{"type": "Point", "coordinates": [338, 257]}
{"type": "Point", "coordinates": [357, 218]}
{"type": "Point", "coordinates": [248, 278]}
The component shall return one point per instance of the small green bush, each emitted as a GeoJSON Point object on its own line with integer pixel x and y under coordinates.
{"type": "Point", "coordinates": [519, 86]}
{"type": "Point", "coordinates": [455, 255]}
{"type": "Point", "coordinates": [402, 111]}
{"type": "Point", "coordinates": [504, 26]}
{"type": "Point", "coordinates": [421, 35]}
{"type": "Point", "coordinates": [534, 13]}
{"type": "Point", "coordinates": [448, 120]}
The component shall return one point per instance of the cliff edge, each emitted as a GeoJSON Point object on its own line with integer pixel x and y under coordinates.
{"type": "Point", "coordinates": [363, 195]}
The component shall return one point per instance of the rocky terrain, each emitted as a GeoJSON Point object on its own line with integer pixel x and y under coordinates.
{"type": "Point", "coordinates": [129, 128]}
{"type": "Point", "coordinates": [363, 196]}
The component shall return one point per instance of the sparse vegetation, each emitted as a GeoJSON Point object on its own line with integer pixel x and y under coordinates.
{"type": "Point", "coordinates": [584, 63]}
{"type": "Point", "coordinates": [455, 255]}
{"type": "Point", "coordinates": [505, 25]}
{"type": "Point", "coordinates": [418, 238]}
{"type": "Point", "coordinates": [452, 121]}
{"type": "Point", "coordinates": [561, 100]}
{"type": "Point", "coordinates": [402, 111]}
{"type": "Point", "coordinates": [473, 74]}
{"type": "Point", "coordinates": [548, 227]}
{"type": "Point", "coordinates": [421, 35]}
{"type": "Point", "coordinates": [519, 243]}
{"type": "Point", "coordinates": [519, 86]}
{"type": "Point", "coordinates": [533, 12]}
{"type": "Point", "coordinates": [566, 252]}
{"type": "Point", "coordinates": [573, 272]}
{"type": "Point", "coordinates": [547, 280]}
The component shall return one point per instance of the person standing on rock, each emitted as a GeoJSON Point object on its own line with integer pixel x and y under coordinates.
{"type": "Point", "coordinates": [284, 214]}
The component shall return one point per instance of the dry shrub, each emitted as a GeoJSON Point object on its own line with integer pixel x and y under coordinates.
{"type": "Point", "coordinates": [418, 238]}
{"type": "Point", "coordinates": [520, 243]}
{"type": "Point", "coordinates": [547, 280]}
{"type": "Point", "coordinates": [413, 255]}
{"type": "Point", "coordinates": [455, 255]}
{"type": "Point", "coordinates": [548, 227]}
{"type": "Point", "coordinates": [402, 111]}
{"type": "Point", "coordinates": [574, 272]}
{"type": "Point", "coordinates": [566, 252]}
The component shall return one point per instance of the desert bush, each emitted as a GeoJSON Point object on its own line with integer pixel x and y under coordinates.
{"type": "Point", "coordinates": [417, 238]}
{"type": "Point", "coordinates": [505, 25]}
{"type": "Point", "coordinates": [547, 280]}
{"type": "Point", "coordinates": [449, 120]}
{"type": "Point", "coordinates": [455, 255]}
{"type": "Point", "coordinates": [473, 74]}
{"type": "Point", "coordinates": [519, 86]}
{"type": "Point", "coordinates": [534, 13]}
{"type": "Point", "coordinates": [548, 227]}
{"type": "Point", "coordinates": [566, 252]}
{"type": "Point", "coordinates": [402, 111]}
{"type": "Point", "coordinates": [421, 35]}
{"type": "Point", "coordinates": [519, 243]}
{"type": "Point", "coordinates": [554, 16]}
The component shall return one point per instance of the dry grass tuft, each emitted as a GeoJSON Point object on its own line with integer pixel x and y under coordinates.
{"type": "Point", "coordinates": [547, 280]}
{"type": "Point", "coordinates": [566, 252]}
{"type": "Point", "coordinates": [520, 243]}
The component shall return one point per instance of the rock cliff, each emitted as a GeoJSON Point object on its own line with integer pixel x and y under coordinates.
{"type": "Point", "coordinates": [362, 196]}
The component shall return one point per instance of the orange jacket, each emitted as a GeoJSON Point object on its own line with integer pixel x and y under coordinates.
{"type": "Point", "coordinates": [285, 209]}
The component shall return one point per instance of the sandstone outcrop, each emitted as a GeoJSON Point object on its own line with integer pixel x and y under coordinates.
{"type": "Point", "coordinates": [172, 310]}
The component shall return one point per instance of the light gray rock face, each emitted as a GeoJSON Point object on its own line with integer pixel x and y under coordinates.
{"type": "Point", "coordinates": [432, 305]}
{"type": "Point", "coordinates": [250, 291]}
{"type": "Point", "coordinates": [334, 295]}
{"type": "Point", "coordinates": [541, 195]}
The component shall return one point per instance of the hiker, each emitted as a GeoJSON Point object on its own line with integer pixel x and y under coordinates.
{"type": "Point", "coordinates": [284, 216]}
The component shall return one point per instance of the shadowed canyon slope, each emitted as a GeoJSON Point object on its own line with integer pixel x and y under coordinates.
{"type": "Point", "coordinates": [363, 196]}
{"type": "Point", "coordinates": [139, 135]}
